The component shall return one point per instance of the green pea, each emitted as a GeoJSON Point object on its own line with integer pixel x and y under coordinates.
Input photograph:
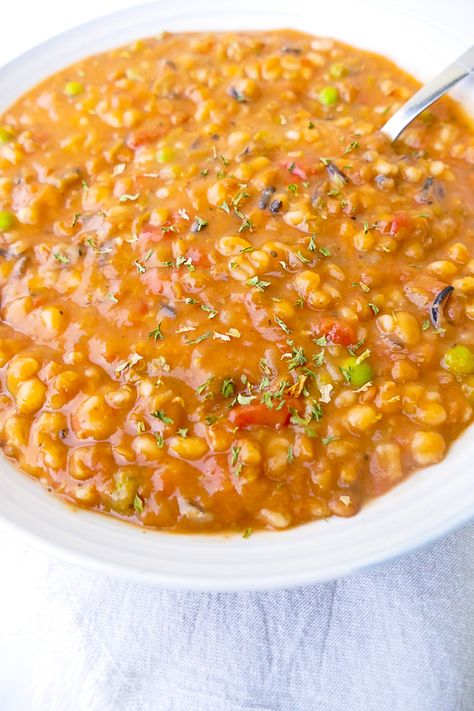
{"type": "Point", "coordinates": [357, 374]}
{"type": "Point", "coordinates": [73, 88]}
{"type": "Point", "coordinates": [164, 154]}
{"type": "Point", "coordinates": [459, 360]}
{"type": "Point", "coordinates": [338, 70]}
{"type": "Point", "coordinates": [6, 220]}
{"type": "Point", "coordinates": [5, 135]}
{"type": "Point", "coordinates": [329, 96]}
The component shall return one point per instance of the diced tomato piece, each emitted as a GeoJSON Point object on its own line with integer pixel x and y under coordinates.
{"type": "Point", "coordinates": [151, 232]}
{"type": "Point", "coordinates": [142, 136]}
{"type": "Point", "coordinates": [296, 169]}
{"type": "Point", "coordinates": [261, 415]}
{"type": "Point", "coordinates": [336, 331]}
{"type": "Point", "coordinates": [400, 221]}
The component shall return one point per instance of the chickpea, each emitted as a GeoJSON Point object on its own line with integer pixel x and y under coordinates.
{"type": "Point", "coordinates": [344, 505]}
{"type": "Point", "coordinates": [427, 448]}
{"type": "Point", "coordinates": [54, 454]}
{"type": "Point", "coordinates": [404, 371]}
{"type": "Point", "coordinates": [91, 460]}
{"type": "Point", "coordinates": [275, 519]}
{"type": "Point", "coordinates": [431, 414]}
{"type": "Point", "coordinates": [52, 319]}
{"type": "Point", "coordinates": [123, 397]}
{"type": "Point", "coordinates": [93, 418]}
{"type": "Point", "coordinates": [20, 369]}
{"type": "Point", "coordinates": [305, 282]}
{"type": "Point", "coordinates": [230, 246]}
{"type": "Point", "coordinates": [17, 431]}
{"type": "Point", "coordinates": [276, 451]}
{"type": "Point", "coordinates": [402, 325]}
{"type": "Point", "coordinates": [388, 398]}
{"type": "Point", "coordinates": [386, 462]}
{"type": "Point", "coordinates": [250, 451]}
{"type": "Point", "coordinates": [240, 269]}
{"type": "Point", "coordinates": [303, 448]}
{"type": "Point", "coordinates": [361, 418]}
{"type": "Point", "coordinates": [283, 309]}
{"type": "Point", "coordinates": [125, 489]}
{"type": "Point", "coordinates": [188, 447]}
{"type": "Point", "coordinates": [319, 299]}
{"type": "Point", "coordinates": [260, 260]}
{"type": "Point", "coordinates": [30, 396]}
{"type": "Point", "coordinates": [218, 439]}
{"type": "Point", "coordinates": [146, 445]}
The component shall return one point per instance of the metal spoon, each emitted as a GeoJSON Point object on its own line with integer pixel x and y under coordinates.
{"type": "Point", "coordinates": [428, 94]}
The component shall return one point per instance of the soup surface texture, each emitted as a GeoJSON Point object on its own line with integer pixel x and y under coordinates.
{"type": "Point", "coordinates": [227, 301]}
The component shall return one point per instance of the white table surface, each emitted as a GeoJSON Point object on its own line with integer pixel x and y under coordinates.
{"type": "Point", "coordinates": [26, 23]}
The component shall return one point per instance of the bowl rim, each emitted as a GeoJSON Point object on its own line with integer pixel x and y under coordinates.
{"type": "Point", "coordinates": [41, 533]}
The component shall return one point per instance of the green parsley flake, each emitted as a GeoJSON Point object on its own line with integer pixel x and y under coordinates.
{"type": "Point", "coordinates": [138, 504]}
{"type": "Point", "coordinates": [247, 533]}
{"type": "Point", "coordinates": [126, 196]}
{"type": "Point", "coordinates": [282, 325]}
{"type": "Point", "coordinates": [161, 415]}
{"type": "Point", "coordinates": [351, 147]}
{"type": "Point", "coordinates": [312, 244]}
{"type": "Point", "coordinates": [298, 358]}
{"type": "Point", "coordinates": [200, 389]}
{"type": "Point", "coordinates": [200, 338]}
{"type": "Point", "coordinates": [227, 389]}
{"type": "Point", "coordinates": [327, 440]}
{"type": "Point", "coordinates": [212, 312]}
{"type": "Point", "coordinates": [140, 268]}
{"type": "Point", "coordinates": [156, 334]}
{"type": "Point", "coordinates": [234, 455]}
{"type": "Point", "coordinates": [302, 258]}
{"type": "Point", "coordinates": [290, 456]}
{"type": "Point", "coordinates": [61, 258]}
{"type": "Point", "coordinates": [258, 283]}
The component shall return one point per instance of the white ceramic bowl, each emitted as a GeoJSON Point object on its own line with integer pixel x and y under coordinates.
{"type": "Point", "coordinates": [426, 506]}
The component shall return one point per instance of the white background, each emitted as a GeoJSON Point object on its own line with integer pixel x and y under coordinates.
{"type": "Point", "coordinates": [26, 23]}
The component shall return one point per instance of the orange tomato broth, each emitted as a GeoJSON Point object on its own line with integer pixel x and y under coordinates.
{"type": "Point", "coordinates": [227, 301]}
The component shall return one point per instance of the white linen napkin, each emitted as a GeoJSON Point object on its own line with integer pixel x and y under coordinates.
{"type": "Point", "coordinates": [396, 638]}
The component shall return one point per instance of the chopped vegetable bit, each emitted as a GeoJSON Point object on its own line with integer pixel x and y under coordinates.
{"type": "Point", "coordinates": [73, 88]}
{"type": "Point", "coordinates": [6, 220]}
{"type": "Point", "coordinates": [459, 360]}
{"type": "Point", "coordinates": [356, 372]}
{"type": "Point", "coordinates": [329, 96]}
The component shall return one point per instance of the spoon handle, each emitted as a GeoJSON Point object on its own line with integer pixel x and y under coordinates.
{"type": "Point", "coordinates": [437, 87]}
